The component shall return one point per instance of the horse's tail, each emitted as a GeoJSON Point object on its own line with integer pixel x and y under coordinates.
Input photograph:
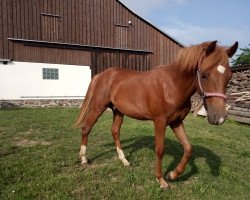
{"type": "Point", "coordinates": [86, 105]}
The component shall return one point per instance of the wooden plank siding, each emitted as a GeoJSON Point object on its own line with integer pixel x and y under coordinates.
{"type": "Point", "coordinates": [96, 23]}
{"type": "Point", "coordinates": [51, 55]}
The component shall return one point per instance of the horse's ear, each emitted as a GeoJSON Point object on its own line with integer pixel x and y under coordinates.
{"type": "Point", "coordinates": [210, 47]}
{"type": "Point", "coordinates": [231, 50]}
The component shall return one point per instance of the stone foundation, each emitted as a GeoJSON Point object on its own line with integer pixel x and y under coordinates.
{"type": "Point", "coordinates": [32, 103]}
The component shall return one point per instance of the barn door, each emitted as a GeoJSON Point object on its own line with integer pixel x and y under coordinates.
{"type": "Point", "coordinates": [122, 36]}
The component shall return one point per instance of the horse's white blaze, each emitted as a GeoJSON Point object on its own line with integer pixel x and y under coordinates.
{"type": "Point", "coordinates": [82, 154]}
{"type": "Point", "coordinates": [122, 157]}
{"type": "Point", "coordinates": [221, 69]}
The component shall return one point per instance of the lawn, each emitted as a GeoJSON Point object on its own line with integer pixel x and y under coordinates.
{"type": "Point", "coordinates": [39, 159]}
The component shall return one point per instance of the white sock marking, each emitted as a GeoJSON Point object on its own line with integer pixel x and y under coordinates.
{"type": "Point", "coordinates": [221, 69]}
{"type": "Point", "coordinates": [82, 154]}
{"type": "Point", "coordinates": [122, 157]}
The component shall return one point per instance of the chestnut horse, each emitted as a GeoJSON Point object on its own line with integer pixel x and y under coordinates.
{"type": "Point", "coordinates": [161, 95]}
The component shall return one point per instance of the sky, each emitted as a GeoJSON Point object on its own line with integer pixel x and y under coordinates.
{"type": "Point", "coordinates": [196, 21]}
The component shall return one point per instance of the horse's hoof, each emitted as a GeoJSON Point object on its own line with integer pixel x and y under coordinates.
{"type": "Point", "coordinates": [163, 184]}
{"type": "Point", "coordinates": [85, 164]}
{"type": "Point", "coordinates": [165, 187]}
{"type": "Point", "coordinates": [127, 164]}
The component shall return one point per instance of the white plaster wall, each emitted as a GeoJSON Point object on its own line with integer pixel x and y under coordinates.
{"type": "Point", "coordinates": [19, 79]}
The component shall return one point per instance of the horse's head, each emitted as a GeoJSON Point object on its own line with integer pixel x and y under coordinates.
{"type": "Point", "coordinates": [213, 75]}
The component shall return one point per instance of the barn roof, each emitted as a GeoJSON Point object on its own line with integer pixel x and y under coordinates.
{"type": "Point", "coordinates": [155, 27]}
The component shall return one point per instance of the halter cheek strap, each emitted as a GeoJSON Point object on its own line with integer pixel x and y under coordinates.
{"type": "Point", "coordinates": [208, 94]}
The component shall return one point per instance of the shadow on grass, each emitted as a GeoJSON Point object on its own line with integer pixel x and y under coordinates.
{"type": "Point", "coordinates": [173, 149]}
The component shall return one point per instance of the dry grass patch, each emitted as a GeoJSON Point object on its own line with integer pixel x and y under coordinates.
{"type": "Point", "coordinates": [23, 142]}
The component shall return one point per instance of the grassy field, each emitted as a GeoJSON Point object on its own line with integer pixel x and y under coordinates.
{"type": "Point", "coordinates": [39, 159]}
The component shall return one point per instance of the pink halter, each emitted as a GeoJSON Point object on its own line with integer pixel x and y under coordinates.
{"type": "Point", "coordinates": [208, 94]}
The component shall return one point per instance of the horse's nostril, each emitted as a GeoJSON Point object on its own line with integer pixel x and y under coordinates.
{"type": "Point", "coordinates": [214, 118]}
{"type": "Point", "coordinates": [225, 116]}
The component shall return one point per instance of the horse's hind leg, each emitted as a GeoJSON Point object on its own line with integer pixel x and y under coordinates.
{"type": "Point", "coordinates": [180, 133]}
{"type": "Point", "coordinates": [89, 122]}
{"type": "Point", "coordinates": [116, 126]}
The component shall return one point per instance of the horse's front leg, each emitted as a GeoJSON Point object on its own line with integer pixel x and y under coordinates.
{"type": "Point", "coordinates": [117, 122]}
{"type": "Point", "coordinates": [160, 128]}
{"type": "Point", "coordinates": [180, 133]}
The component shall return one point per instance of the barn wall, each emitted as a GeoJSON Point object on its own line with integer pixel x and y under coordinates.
{"type": "Point", "coordinates": [133, 61]}
{"type": "Point", "coordinates": [84, 22]}
{"type": "Point", "coordinates": [51, 55]}
{"type": "Point", "coordinates": [24, 80]}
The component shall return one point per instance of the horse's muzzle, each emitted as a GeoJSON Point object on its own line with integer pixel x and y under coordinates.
{"type": "Point", "coordinates": [216, 119]}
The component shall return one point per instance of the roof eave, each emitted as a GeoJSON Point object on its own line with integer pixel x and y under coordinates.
{"type": "Point", "coordinates": [155, 27]}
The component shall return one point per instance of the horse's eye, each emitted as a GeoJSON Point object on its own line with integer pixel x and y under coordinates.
{"type": "Point", "coordinates": [204, 76]}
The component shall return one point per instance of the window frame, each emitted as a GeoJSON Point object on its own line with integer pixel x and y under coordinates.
{"type": "Point", "coordinates": [50, 73]}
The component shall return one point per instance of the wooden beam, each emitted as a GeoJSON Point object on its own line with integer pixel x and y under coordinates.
{"type": "Point", "coordinates": [39, 43]}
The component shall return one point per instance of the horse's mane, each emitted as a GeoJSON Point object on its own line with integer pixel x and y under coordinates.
{"type": "Point", "coordinates": [189, 58]}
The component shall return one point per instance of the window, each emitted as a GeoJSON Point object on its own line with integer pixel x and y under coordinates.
{"type": "Point", "coordinates": [122, 36]}
{"type": "Point", "coordinates": [50, 73]}
{"type": "Point", "coordinates": [50, 27]}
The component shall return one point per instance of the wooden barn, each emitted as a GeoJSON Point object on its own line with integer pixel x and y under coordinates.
{"type": "Point", "coordinates": [51, 48]}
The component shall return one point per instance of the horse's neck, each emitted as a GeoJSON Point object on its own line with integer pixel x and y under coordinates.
{"type": "Point", "coordinates": [184, 81]}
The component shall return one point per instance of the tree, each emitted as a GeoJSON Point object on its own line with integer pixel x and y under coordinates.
{"type": "Point", "coordinates": [243, 58]}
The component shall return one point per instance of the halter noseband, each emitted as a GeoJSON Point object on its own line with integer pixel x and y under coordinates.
{"type": "Point", "coordinates": [208, 94]}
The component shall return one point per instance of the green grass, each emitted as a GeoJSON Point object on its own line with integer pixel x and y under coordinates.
{"type": "Point", "coordinates": [39, 159]}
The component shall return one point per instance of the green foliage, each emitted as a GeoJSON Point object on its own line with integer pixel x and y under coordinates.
{"type": "Point", "coordinates": [243, 58]}
{"type": "Point", "coordinates": [39, 159]}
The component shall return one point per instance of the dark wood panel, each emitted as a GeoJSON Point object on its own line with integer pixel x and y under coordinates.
{"type": "Point", "coordinates": [64, 22]}
{"type": "Point", "coordinates": [51, 55]}
{"type": "Point", "coordinates": [10, 27]}
{"type": "Point", "coordinates": [50, 27]}
{"type": "Point", "coordinates": [102, 61]}
{"type": "Point", "coordinates": [61, 14]}
{"type": "Point", "coordinates": [1, 30]}
{"type": "Point", "coordinates": [26, 26]}
{"type": "Point", "coordinates": [4, 30]}
{"type": "Point", "coordinates": [14, 15]}
{"type": "Point", "coordinates": [31, 19]}
{"type": "Point", "coordinates": [77, 21]}
{"type": "Point", "coordinates": [85, 22]}
{"type": "Point", "coordinates": [73, 22]}
{"type": "Point", "coordinates": [39, 7]}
